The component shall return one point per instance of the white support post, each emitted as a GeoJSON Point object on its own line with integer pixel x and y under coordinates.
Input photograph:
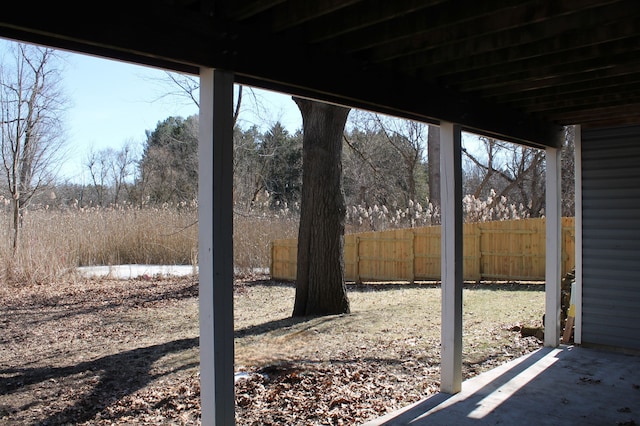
{"type": "Point", "coordinates": [215, 240]}
{"type": "Point", "coordinates": [553, 264]}
{"type": "Point", "coordinates": [577, 296]}
{"type": "Point", "coordinates": [451, 242]}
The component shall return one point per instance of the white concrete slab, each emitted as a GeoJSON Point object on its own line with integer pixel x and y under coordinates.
{"type": "Point", "coordinates": [552, 386]}
{"type": "Point", "coordinates": [126, 272]}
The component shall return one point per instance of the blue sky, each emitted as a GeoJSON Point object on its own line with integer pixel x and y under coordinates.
{"type": "Point", "coordinates": [113, 103]}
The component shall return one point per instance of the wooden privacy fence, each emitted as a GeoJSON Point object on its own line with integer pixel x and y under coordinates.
{"type": "Point", "coordinates": [504, 250]}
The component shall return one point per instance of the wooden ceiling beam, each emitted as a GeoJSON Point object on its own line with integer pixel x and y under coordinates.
{"type": "Point", "coordinates": [524, 74]}
{"type": "Point", "coordinates": [343, 80]}
{"type": "Point", "coordinates": [295, 13]}
{"type": "Point", "coordinates": [241, 10]}
{"type": "Point", "coordinates": [174, 37]}
{"type": "Point", "coordinates": [501, 30]}
{"type": "Point", "coordinates": [617, 38]}
{"type": "Point", "coordinates": [550, 104]}
{"type": "Point", "coordinates": [363, 17]}
{"type": "Point", "coordinates": [608, 77]}
{"type": "Point", "coordinates": [539, 73]}
{"type": "Point", "coordinates": [596, 116]}
{"type": "Point", "coordinates": [512, 46]}
{"type": "Point", "coordinates": [405, 31]}
{"type": "Point", "coordinates": [149, 33]}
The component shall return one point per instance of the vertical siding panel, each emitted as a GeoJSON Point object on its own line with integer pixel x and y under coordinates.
{"type": "Point", "coordinates": [611, 237]}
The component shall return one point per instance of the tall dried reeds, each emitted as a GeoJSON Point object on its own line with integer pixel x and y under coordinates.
{"type": "Point", "coordinates": [56, 241]}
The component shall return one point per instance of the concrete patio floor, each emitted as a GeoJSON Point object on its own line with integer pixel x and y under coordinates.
{"type": "Point", "coordinates": [553, 386]}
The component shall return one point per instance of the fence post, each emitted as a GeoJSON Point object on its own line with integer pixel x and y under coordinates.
{"type": "Point", "coordinates": [356, 263]}
{"type": "Point", "coordinates": [272, 251]}
{"type": "Point", "coordinates": [412, 255]}
{"type": "Point", "coordinates": [478, 235]}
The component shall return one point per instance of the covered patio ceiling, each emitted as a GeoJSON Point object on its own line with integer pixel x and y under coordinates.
{"type": "Point", "coordinates": [512, 69]}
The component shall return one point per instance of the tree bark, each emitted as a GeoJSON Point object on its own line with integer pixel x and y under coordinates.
{"type": "Point", "coordinates": [433, 161]}
{"type": "Point", "coordinates": [320, 285]}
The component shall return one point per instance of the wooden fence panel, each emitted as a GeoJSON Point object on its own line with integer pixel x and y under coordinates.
{"type": "Point", "coordinates": [471, 237]}
{"type": "Point", "coordinates": [427, 253]}
{"type": "Point", "coordinates": [385, 256]}
{"type": "Point", "coordinates": [568, 244]}
{"type": "Point", "coordinates": [284, 259]}
{"type": "Point", "coordinates": [504, 250]}
{"type": "Point", "coordinates": [512, 250]}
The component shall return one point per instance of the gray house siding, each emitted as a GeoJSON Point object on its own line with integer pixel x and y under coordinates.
{"type": "Point", "coordinates": [611, 237]}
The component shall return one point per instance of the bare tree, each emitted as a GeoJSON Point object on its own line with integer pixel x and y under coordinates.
{"type": "Point", "coordinates": [385, 160]}
{"type": "Point", "coordinates": [248, 169]}
{"type": "Point", "coordinates": [512, 171]}
{"type": "Point", "coordinates": [122, 168]}
{"type": "Point", "coordinates": [32, 105]}
{"type": "Point", "coordinates": [97, 165]}
{"type": "Point", "coordinates": [408, 139]}
{"type": "Point", "coordinates": [109, 170]}
{"type": "Point", "coordinates": [187, 87]}
{"type": "Point", "coordinates": [366, 158]}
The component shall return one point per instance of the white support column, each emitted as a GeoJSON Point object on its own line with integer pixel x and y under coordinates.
{"type": "Point", "coordinates": [577, 297]}
{"type": "Point", "coordinates": [553, 248]}
{"type": "Point", "coordinates": [215, 240]}
{"type": "Point", "coordinates": [451, 242]}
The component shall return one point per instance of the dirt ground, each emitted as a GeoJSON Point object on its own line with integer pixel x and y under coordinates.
{"type": "Point", "coordinates": [108, 352]}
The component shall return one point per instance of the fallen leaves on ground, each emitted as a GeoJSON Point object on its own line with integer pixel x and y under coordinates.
{"type": "Point", "coordinates": [106, 352]}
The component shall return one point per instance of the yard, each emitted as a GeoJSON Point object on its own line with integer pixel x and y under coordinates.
{"type": "Point", "coordinates": [105, 352]}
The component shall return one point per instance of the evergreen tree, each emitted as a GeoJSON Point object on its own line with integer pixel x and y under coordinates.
{"type": "Point", "coordinates": [169, 164]}
{"type": "Point", "coordinates": [282, 154]}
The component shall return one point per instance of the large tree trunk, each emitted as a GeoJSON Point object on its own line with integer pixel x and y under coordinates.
{"type": "Point", "coordinates": [433, 161]}
{"type": "Point", "coordinates": [320, 286]}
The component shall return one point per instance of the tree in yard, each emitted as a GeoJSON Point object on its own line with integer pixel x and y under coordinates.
{"type": "Point", "coordinates": [97, 165]}
{"type": "Point", "coordinates": [247, 169]}
{"type": "Point", "coordinates": [270, 163]}
{"type": "Point", "coordinates": [407, 138]}
{"type": "Point", "coordinates": [568, 172]}
{"type": "Point", "coordinates": [320, 285]}
{"type": "Point", "coordinates": [383, 160]}
{"type": "Point", "coordinates": [281, 154]}
{"type": "Point", "coordinates": [169, 164]}
{"type": "Point", "coordinates": [31, 128]}
{"type": "Point", "coordinates": [109, 170]}
{"type": "Point", "coordinates": [370, 175]}
{"type": "Point", "coordinates": [122, 169]}
{"type": "Point", "coordinates": [433, 165]}
{"type": "Point", "coordinates": [510, 170]}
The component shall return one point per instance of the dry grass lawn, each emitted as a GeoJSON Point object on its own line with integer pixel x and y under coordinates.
{"type": "Point", "coordinates": [104, 352]}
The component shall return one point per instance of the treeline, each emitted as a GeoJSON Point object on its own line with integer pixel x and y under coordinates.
{"type": "Point", "coordinates": [386, 173]}
{"type": "Point", "coordinates": [142, 208]}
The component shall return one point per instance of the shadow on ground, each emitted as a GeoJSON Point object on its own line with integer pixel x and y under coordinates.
{"type": "Point", "coordinates": [108, 378]}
